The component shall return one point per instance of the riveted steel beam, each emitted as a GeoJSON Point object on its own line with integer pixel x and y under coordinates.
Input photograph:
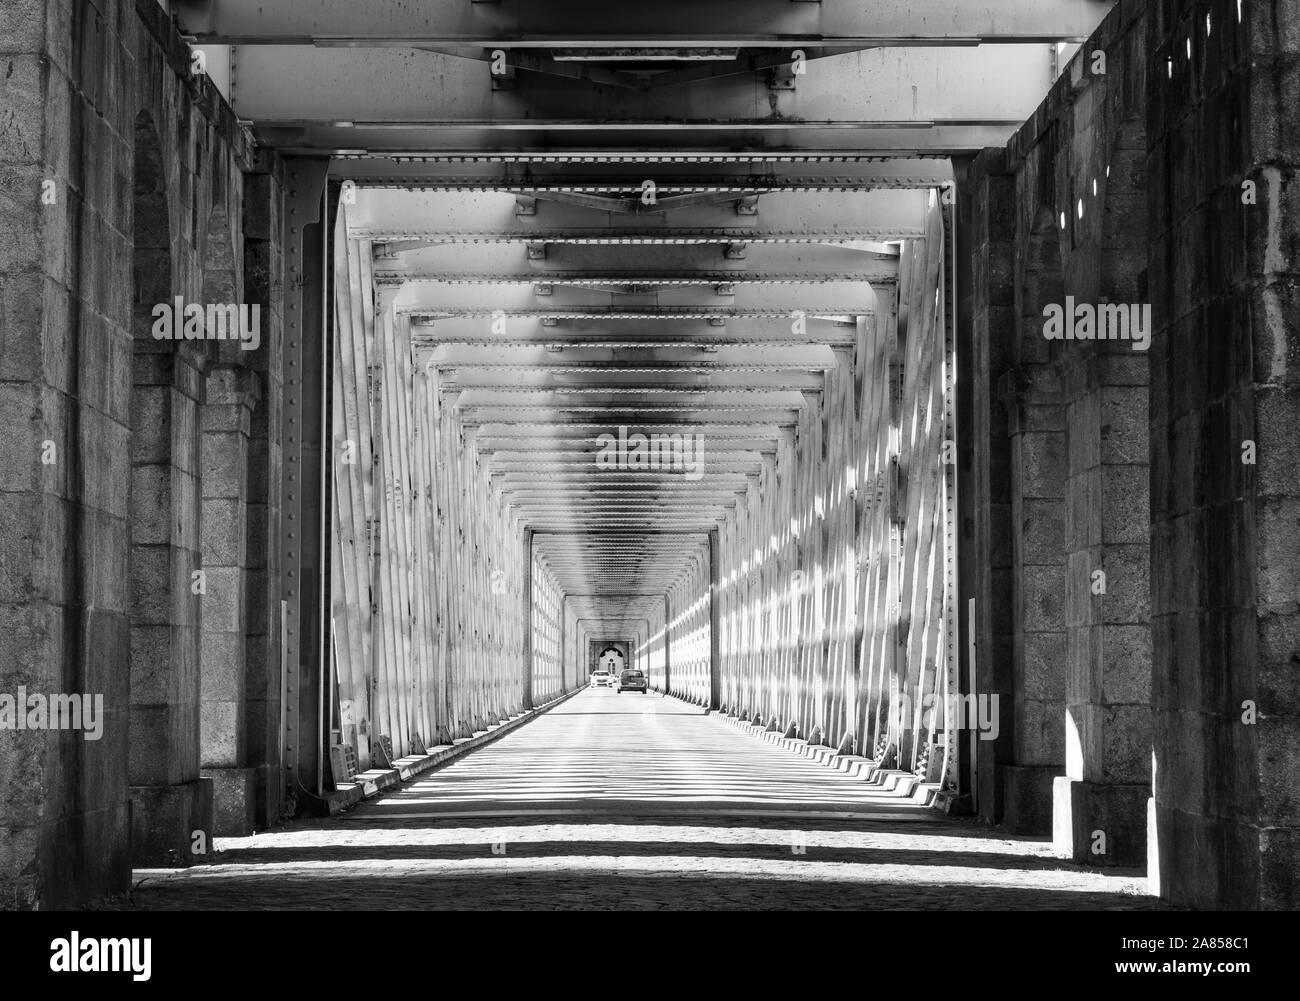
{"type": "Point", "coordinates": [890, 101]}
{"type": "Point", "coordinates": [613, 330]}
{"type": "Point", "coordinates": [655, 264]}
{"type": "Point", "coordinates": [408, 221]}
{"type": "Point", "coordinates": [606, 172]}
{"type": "Point", "coordinates": [303, 347]}
{"type": "Point", "coordinates": [594, 24]}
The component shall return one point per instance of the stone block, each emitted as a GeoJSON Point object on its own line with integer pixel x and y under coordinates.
{"type": "Point", "coordinates": [151, 758]}
{"type": "Point", "coordinates": [104, 568]}
{"type": "Point", "coordinates": [1278, 552]}
{"type": "Point", "coordinates": [1099, 824]}
{"type": "Point", "coordinates": [1082, 606]}
{"type": "Point", "coordinates": [222, 604]}
{"type": "Point", "coordinates": [22, 444]}
{"type": "Point", "coordinates": [150, 425]}
{"type": "Point", "coordinates": [1278, 641]}
{"type": "Point", "coordinates": [1125, 509]}
{"type": "Point", "coordinates": [1043, 589]}
{"type": "Point", "coordinates": [1027, 798]}
{"type": "Point", "coordinates": [185, 432]}
{"type": "Point", "coordinates": [164, 819]}
{"type": "Point", "coordinates": [1040, 732]}
{"type": "Point", "coordinates": [1042, 464]}
{"type": "Point", "coordinates": [1126, 664]}
{"type": "Point", "coordinates": [151, 585]}
{"type": "Point", "coordinates": [22, 95]}
{"type": "Point", "coordinates": [1279, 868]}
{"type": "Point", "coordinates": [24, 756]}
{"type": "Point", "coordinates": [1043, 526]}
{"type": "Point", "coordinates": [224, 459]}
{"type": "Point", "coordinates": [21, 549]}
{"type": "Point", "coordinates": [1277, 743]}
{"type": "Point", "coordinates": [219, 733]}
{"type": "Point", "coordinates": [102, 454]}
{"type": "Point", "coordinates": [1125, 744]}
{"type": "Point", "coordinates": [1044, 666]}
{"type": "Point", "coordinates": [234, 801]}
{"type": "Point", "coordinates": [223, 532]}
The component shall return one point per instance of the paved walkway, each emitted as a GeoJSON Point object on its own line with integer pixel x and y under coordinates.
{"type": "Point", "coordinates": [612, 802]}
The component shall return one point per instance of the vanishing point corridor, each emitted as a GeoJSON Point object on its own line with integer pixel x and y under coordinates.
{"type": "Point", "coordinates": [593, 455]}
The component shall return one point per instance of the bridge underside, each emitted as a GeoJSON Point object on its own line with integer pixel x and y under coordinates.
{"type": "Point", "coordinates": [754, 346]}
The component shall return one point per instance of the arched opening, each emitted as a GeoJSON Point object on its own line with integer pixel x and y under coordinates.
{"type": "Point", "coordinates": [611, 659]}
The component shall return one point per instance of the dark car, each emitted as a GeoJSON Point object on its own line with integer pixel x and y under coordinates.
{"type": "Point", "coordinates": [633, 681]}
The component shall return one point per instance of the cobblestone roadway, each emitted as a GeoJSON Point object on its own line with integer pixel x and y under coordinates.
{"type": "Point", "coordinates": [635, 802]}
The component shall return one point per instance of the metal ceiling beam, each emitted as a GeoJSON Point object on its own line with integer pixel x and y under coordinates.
{"type": "Point", "coordinates": [524, 298]}
{"type": "Point", "coordinates": [812, 357]}
{"type": "Point", "coordinates": [523, 61]}
{"type": "Point", "coordinates": [617, 380]}
{"type": "Point", "coordinates": [666, 23]}
{"type": "Point", "coordinates": [736, 434]}
{"type": "Point", "coordinates": [408, 221]}
{"type": "Point", "coordinates": [597, 486]}
{"type": "Point", "coordinates": [374, 100]}
{"type": "Point", "coordinates": [295, 85]}
{"type": "Point", "coordinates": [615, 536]}
{"type": "Point", "coordinates": [630, 203]}
{"type": "Point", "coordinates": [498, 446]}
{"type": "Point", "coordinates": [878, 270]}
{"type": "Point", "coordinates": [741, 173]}
{"type": "Point", "coordinates": [607, 333]}
{"type": "Point", "coordinates": [677, 398]}
{"type": "Point", "coordinates": [531, 138]}
{"type": "Point", "coordinates": [689, 416]}
{"type": "Point", "coordinates": [655, 263]}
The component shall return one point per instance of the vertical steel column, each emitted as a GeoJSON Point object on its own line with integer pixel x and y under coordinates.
{"type": "Point", "coordinates": [564, 629]}
{"type": "Point", "coordinates": [955, 777]}
{"type": "Point", "coordinates": [528, 619]}
{"type": "Point", "coordinates": [715, 631]}
{"type": "Point", "coordinates": [305, 312]}
{"type": "Point", "coordinates": [668, 617]}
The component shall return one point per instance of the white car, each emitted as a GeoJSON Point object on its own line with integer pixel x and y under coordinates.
{"type": "Point", "coordinates": [601, 679]}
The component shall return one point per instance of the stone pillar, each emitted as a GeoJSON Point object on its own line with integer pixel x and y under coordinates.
{"type": "Point", "coordinates": [1031, 392]}
{"type": "Point", "coordinates": [1099, 805]}
{"type": "Point", "coordinates": [1225, 458]}
{"type": "Point", "coordinates": [65, 377]}
{"type": "Point", "coordinates": [991, 197]}
{"type": "Point", "coordinates": [263, 222]}
{"type": "Point", "coordinates": [1034, 424]}
{"type": "Point", "coordinates": [170, 799]}
{"type": "Point", "coordinates": [224, 424]}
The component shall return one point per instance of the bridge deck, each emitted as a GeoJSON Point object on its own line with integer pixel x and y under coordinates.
{"type": "Point", "coordinates": [636, 802]}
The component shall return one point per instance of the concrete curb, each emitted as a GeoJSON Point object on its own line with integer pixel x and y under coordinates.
{"type": "Point", "coordinates": [371, 783]}
{"type": "Point", "coordinates": [898, 784]}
